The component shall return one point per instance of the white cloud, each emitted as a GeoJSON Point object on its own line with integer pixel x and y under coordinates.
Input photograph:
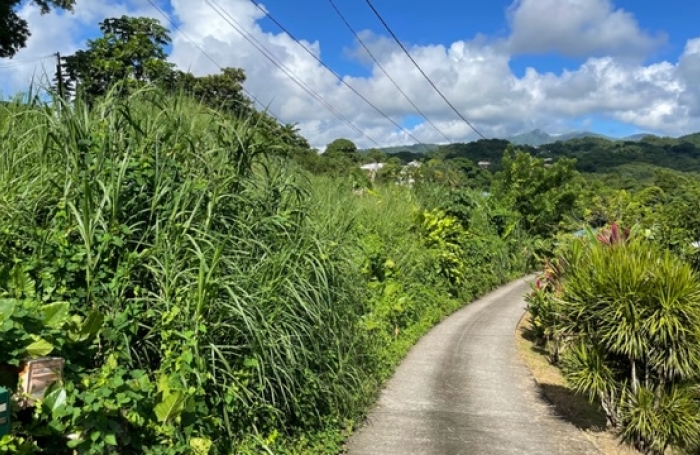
{"type": "Point", "coordinates": [59, 31]}
{"type": "Point", "coordinates": [579, 28]}
{"type": "Point", "coordinates": [474, 75]}
{"type": "Point", "coordinates": [689, 74]}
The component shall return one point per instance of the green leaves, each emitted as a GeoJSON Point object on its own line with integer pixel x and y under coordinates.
{"type": "Point", "coordinates": [39, 348]}
{"type": "Point", "coordinates": [16, 29]}
{"type": "Point", "coordinates": [171, 406]}
{"type": "Point", "coordinates": [652, 423]}
{"type": "Point", "coordinates": [89, 328]}
{"type": "Point", "coordinates": [541, 193]}
{"type": "Point", "coordinates": [130, 53]}
{"type": "Point", "coordinates": [55, 314]}
{"type": "Point", "coordinates": [630, 313]}
{"type": "Point", "coordinates": [7, 308]}
{"type": "Point", "coordinates": [54, 400]}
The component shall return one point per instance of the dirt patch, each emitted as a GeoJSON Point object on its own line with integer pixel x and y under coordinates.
{"type": "Point", "coordinates": [573, 408]}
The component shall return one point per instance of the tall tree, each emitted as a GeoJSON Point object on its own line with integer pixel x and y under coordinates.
{"type": "Point", "coordinates": [222, 91]}
{"type": "Point", "coordinates": [132, 49]}
{"type": "Point", "coordinates": [543, 193]}
{"type": "Point", "coordinates": [14, 31]}
{"type": "Point", "coordinates": [343, 146]}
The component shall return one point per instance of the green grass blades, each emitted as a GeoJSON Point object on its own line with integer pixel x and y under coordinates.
{"type": "Point", "coordinates": [214, 296]}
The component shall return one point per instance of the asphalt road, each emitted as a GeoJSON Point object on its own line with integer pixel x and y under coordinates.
{"type": "Point", "coordinates": [463, 390]}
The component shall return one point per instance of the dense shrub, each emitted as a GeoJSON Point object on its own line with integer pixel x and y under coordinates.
{"type": "Point", "coordinates": [625, 317]}
{"type": "Point", "coordinates": [207, 295]}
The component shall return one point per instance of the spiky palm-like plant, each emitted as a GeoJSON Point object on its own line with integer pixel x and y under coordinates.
{"type": "Point", "coordinates": [634, 313]}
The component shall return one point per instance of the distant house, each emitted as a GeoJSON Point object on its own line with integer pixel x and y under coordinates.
{"type": "Point", "coordinates": [372, 169]}
{"type": "Point", "coordinates": [484, 164]}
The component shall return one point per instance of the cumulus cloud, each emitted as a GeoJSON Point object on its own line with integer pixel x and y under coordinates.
{"type": "Point", "coordinates": [475, 75]}
{"type": "Point", "coordinates": [60, 31]}
{"type": "Point", "coordinates": [689, 74]}
{"type": "Point", "coordinates": [577, 28]}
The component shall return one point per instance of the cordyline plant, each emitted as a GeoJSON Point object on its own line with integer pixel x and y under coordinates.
{"type": "Point", "coordinates": [613, 235]}
{"type": "Point", "coordinates": [630, 313]}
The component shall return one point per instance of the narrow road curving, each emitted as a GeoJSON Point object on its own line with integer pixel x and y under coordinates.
{"type": "Point", "coordinates": [463, 390]}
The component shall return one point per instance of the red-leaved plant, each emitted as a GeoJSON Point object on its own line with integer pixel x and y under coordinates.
{"type": "Point", "coordinates": [613, 235]}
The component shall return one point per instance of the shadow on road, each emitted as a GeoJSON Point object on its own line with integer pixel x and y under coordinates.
{"type": "Point", "coordinates": [573, 408]}
{"type": "Point", "coordinates": [551, 386]}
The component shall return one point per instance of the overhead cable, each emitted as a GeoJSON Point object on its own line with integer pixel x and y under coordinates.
{"type": "Point", "coordinates": [191, 41]}
{"type": "Point", "coordinates": [408, 54]}
{"type": "Point", "coordinates": [381, 67]}
{"type": "Point", "coordinates": [337, 76]}
{"type": "Point", "coordinates": [17, 63]}
{"type": "Point", "coordinates": [282, 67]}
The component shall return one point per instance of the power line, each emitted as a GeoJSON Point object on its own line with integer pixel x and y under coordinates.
{"type": "Point", "coordinates": [381, 19]}
{"type": "Point", "coordinates": [337, 76]}
{"type": "Point", "coordinates": [282, 67]}
{"type": "Point", "coordinates": [191, 41]}
{"type": "Point", "coordinates": [17, 63]}
{"type": "Point", "coordinates": [379, 65]}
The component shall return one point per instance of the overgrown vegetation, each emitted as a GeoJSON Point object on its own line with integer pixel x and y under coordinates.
{"type": "Point", "coordinates": [209, 296]}
{"type": "Point", "coordinates": [216, 286]}
{"type": "Point", "coordinates": [621, 316]}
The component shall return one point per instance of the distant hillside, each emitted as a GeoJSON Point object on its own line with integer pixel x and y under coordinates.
{"type": "Point", "coordinates": [415, 148]}
{"type": "Point", "coordinates": [692, 138]}
{"type": "Point", "coordinates": [639, 137]}
{"type": "Point", "coordinates": [537, 137]}
{"type": "Point", "coordinates": [547, 144]}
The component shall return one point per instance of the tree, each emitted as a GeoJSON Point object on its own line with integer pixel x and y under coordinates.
{"type": "Point", "coordinates": [631, 313]}
{"type": "Point", "coordinates": [344, 146]}
{"type": "Point", "coordinates": [476, 177]}
{"type": "Point", "coordinates": [375, 156]}
{"type": "Point", "coordinates": [14, 30]}
{"type": "Point", "coordinates": [222, 91]}
{"type": "Point", "coordinates": [543, 194]}
{"type": "Point", "coordinates": [442, 172]}
{"type": "Point", "coordinates": [132, 51]}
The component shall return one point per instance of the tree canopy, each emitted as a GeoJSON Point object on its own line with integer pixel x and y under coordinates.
{"type": "Point", "coordinates": [341, 145]}
{"type": "Point", "coordinates": [131, 50]}
{"type": "Point", "coordinates": [542, 193]}
{"type": "Point", "coordinates": [219, 91]}
{"type": "Point", "coordinates": [14, 31]}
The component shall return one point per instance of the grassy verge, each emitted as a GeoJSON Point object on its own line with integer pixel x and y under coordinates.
{"type": "Point", "coordinates": [573, 408]}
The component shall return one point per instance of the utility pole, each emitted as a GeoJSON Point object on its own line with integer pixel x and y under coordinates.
{"type": "Point", "coordinates": [59, 75]}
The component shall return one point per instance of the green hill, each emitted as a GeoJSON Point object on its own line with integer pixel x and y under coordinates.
{"type": "Point", "coordinates": [536, 138]}
{"type": "Point", "coordinates": [415, 148]}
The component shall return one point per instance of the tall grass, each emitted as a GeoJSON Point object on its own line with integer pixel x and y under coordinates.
{"type": "Point", "coordinates": [192, 236]}
{"type": "Point", "coordinates": [272, 303]}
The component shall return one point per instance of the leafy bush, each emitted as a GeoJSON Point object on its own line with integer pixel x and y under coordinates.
{"type": "Point", "coordinates": [216, 298]}
{"type": "Point", "coordinates": [628, 317]}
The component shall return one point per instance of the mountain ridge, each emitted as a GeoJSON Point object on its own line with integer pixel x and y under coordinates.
{"type": "Point", "coordinates": [533, 138]}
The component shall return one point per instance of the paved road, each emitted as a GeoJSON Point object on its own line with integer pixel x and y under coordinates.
{"type": "Point", "coordinates": [463, 390]}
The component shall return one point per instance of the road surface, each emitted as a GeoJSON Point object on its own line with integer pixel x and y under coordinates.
{"type": "Point", "coordinates": [463, 390]}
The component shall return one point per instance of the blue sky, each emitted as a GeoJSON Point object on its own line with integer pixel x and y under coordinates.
{"type": "Point", "coordinates": [447, 21]}
{"type": "Point", "coordinates": [617, 67]}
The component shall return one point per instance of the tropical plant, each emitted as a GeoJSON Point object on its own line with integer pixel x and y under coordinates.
{"type": "Point", "coordinates": [542, 193]}
{"type": "Point", "coordinates": [131, 52]}
{"type": "Point", "coordinates": [630, 318]}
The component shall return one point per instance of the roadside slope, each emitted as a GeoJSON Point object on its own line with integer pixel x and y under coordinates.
{"type": "Point", "coordinates": [463, 390]}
